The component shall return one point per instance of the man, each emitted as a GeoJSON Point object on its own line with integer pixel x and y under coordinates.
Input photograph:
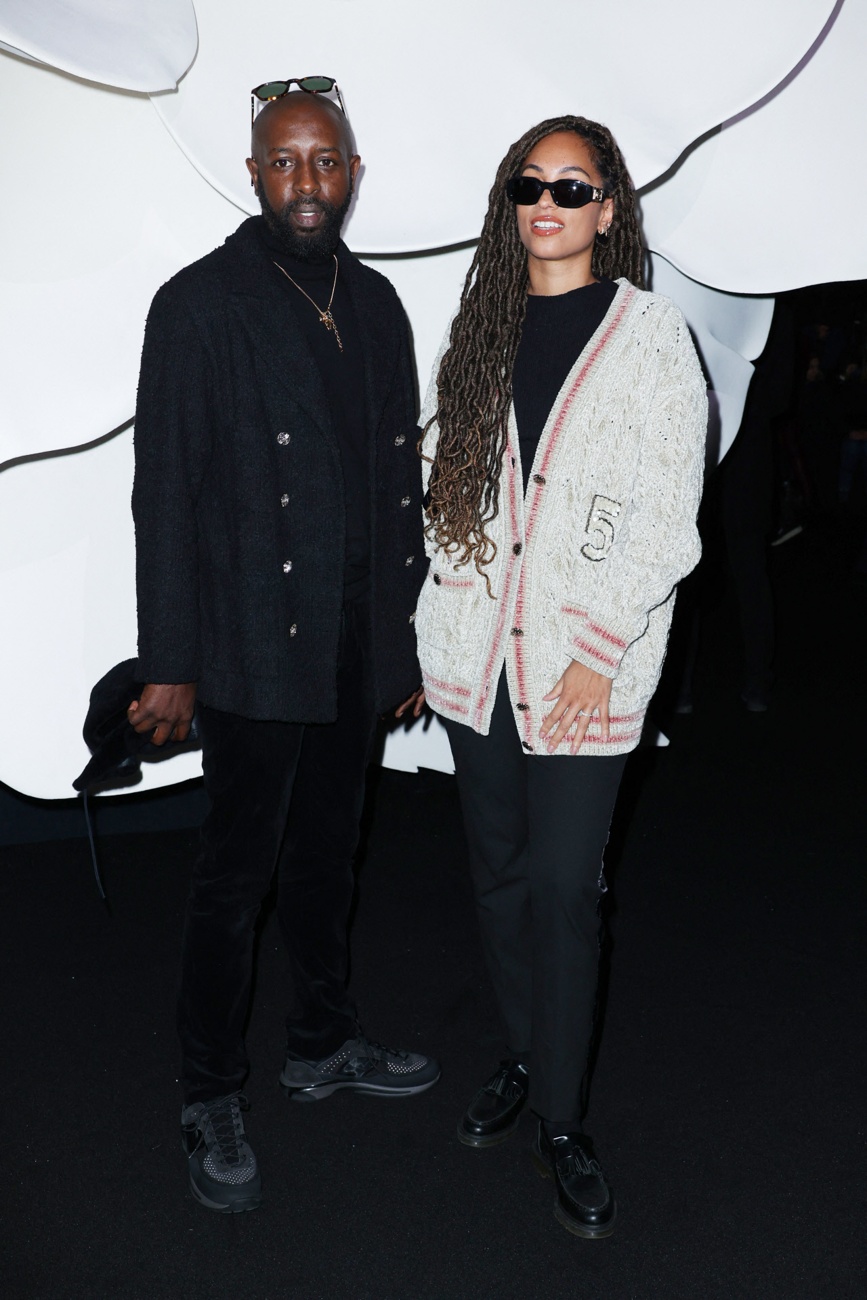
{"type": "Point", "coordinates": [279, 558]}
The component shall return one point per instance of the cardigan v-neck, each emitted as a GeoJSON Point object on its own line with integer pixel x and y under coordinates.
{"type": "Point", "coordinates": [556, 330]}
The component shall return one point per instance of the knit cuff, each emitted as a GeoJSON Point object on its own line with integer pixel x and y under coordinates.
{"type": "Point", "coordinates": [593, 645]}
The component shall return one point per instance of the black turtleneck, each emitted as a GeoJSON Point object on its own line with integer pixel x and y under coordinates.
{"type": "Point", "coordinates": [343, 378]}
{"type": "Point", "coordinates": [556, 330]}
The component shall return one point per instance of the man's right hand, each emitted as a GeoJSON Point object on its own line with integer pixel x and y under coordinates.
{"type": "Point", "coordinates": [169, 709]}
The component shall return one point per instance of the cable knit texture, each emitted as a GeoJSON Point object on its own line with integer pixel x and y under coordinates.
{"type": "Point", "coordinates": [588, 561]}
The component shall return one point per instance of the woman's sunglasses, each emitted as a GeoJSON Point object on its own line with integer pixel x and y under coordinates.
{"type": "Point", "coordinates": [269, 90]}
{"type": "Point", "coordinates": [527, 190]}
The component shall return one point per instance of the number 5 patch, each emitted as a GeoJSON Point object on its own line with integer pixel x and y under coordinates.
{"type": "Point", "coordinates": [600, 525]}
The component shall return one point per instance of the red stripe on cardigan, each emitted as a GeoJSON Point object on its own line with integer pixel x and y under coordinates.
{"type": "Point", "coordinates": [607, 636]}
{"type": "Point", "coordinates": [448, 687]}
{"type": "Point", "coordinates": [597, 654]}
{"type": "Point", "coordinates": [496, 648]}
{"type": "Point", "coordinates": [436, 698]}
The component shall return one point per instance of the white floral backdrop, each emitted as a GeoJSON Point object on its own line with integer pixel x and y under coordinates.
{"type": "Point", "coordinates": [126, 127]}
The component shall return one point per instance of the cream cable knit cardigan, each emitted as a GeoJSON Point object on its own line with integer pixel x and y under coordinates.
{"type": "Point", "coordinates": [587, 562]}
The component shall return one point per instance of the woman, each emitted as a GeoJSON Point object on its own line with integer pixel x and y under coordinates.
{"type": "Point", "coordinates": [563, 448]}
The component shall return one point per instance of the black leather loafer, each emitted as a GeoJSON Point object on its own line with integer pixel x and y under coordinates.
{"type": "Point", "coordinates": [494, 1112]}
{"type": "Point", "coordinates": [584, 1201]}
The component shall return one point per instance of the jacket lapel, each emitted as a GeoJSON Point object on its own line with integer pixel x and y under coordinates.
{"type": "Point", "coordinates": [378, 341]}
{"type": "Point", "coordinates": [259, 301]}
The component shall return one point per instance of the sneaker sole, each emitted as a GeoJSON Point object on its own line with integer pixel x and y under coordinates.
{"type": "Point", "coordinates": [239, 1206]}
{"type": "Point", "coordinates": [577, 1229]}
{"type": "Point", "coordinates": [319, 1091]}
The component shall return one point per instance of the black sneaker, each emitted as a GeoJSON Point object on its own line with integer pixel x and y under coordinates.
{"type": "Point", "coordinates": [495, 1110]}
{"type": "Point", "coordinates": [224, 1174]}
{"type": "Point", "coordinates": [364, 1066]}
{"type": "Point", "coordinates": [584, 1202]}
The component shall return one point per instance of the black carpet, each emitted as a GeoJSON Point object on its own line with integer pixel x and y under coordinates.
{"type": "Point", "coordinates": [728, 1103]}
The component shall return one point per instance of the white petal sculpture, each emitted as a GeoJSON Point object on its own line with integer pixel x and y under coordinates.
{"type": "Point", "coordinates": [776, 199]}
{"type": "Point", "coordinates": [436, 94]}
{"type": "Point", "coordinates": [80, 261]}
{"type": "Point", "coordinates": [730, 332]}
{"type": "Point", "coordinates": [100, 207]}
{"type": "Point", "coordinates": [143, 45]}
{"type": "Point", "coordinates": [67, 591]}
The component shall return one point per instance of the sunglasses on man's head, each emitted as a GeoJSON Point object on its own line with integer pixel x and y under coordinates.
{"type": "Point", "coordinates": [566, 193]}
{"type": "Point", "coordinates": [262, 95]}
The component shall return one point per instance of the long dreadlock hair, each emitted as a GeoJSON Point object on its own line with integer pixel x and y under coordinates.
{"type": "Point", "coordinates": [474, 385]}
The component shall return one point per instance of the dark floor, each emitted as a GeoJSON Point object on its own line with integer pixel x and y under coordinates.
{"type": "Point", "coordinates": [729, 1097]}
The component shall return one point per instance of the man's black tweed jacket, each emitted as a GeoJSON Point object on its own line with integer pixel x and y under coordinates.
{"type": "Point", "coordinates": [238, 498]}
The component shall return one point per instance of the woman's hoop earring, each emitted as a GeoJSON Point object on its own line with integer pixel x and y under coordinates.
{"type": "Point", "coordinates": [603, 234]}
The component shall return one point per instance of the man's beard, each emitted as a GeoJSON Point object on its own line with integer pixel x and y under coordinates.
{"type": "Point", "coordinates": [318, 245]}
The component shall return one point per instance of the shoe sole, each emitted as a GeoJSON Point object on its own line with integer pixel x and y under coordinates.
{"type": "Point", "coordinates": [239, 1206]}
{"type": "Point", "coordinates": [577, 1229]}
{"type": "Point", "coordinates": [489, 1140]}
{"type": "Point", "coordinates": [319, 1091]}
{"type": "Point", "coordinates": [788, 535]}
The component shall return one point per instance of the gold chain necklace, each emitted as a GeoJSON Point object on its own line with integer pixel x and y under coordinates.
{"type": "Point", "coordinates": [325, 316]}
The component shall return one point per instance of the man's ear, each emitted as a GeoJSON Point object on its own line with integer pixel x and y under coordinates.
{"type": "Point", "coordinates": [253, 169]}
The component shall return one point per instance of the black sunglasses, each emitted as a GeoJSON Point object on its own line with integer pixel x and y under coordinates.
{"type": "Point", "coordinates": [277, 89]}
{"type": "Point", "coordinates": [565, 193]}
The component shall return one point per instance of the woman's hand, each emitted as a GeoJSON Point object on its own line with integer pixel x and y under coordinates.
{"type": "Point", "coordinates": [579, 693]}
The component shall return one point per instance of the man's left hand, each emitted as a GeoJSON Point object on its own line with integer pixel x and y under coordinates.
{"type": "Point", "coordinates": [415, 702]}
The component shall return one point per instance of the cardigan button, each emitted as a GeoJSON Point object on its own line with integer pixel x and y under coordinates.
{"type": "Point", "coordinates": [404, 501]}
{"type": "Point", "coordinates": [293, 629]}
{"type": "Point", "coordinates": [527, 746]}
{"type": "Point", "coordinates": [287, 566]}
{"type": "Point", "coordinates": [517, 631]}
{"type": "Point", "coordinates": [284, 500]}
{"type": "Point", "coordinates": [538, 478]}
{"type": "Point", "coordinates": [523, 707]}
{"type": "Point", "coordinates": [400, 440]}
{"type": "Point", "coordinates": [517, 548]}
{"type": "Point", "coordinates": [409, 560]}
{"type": "Point", "coordinates": [282, 438]}
{"type": "Point", "coordinates": [437, 579]}
{"type": "Point", "coordinates": [412, 617]}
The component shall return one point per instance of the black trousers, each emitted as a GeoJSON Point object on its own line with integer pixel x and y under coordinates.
{"type": "Point", "coordinates": [536, 830]}
{"type": "Point", "coordinates": [284, 797]}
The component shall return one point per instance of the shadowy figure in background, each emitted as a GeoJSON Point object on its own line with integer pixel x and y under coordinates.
{"type": "Point", "coordinates": [739, 499]}
{"type": "Point", "coordinates": [747, 495]}
{"type": "Point", "coordinates": [853, 450]}
{"type": "Point", "coordinates": [852, 475]}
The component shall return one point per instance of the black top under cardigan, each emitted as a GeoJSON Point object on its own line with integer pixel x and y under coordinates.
{"type": "Point", "coordinates": [556, 330]}
{"type": "Point", "coordinates": [239, 500]}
